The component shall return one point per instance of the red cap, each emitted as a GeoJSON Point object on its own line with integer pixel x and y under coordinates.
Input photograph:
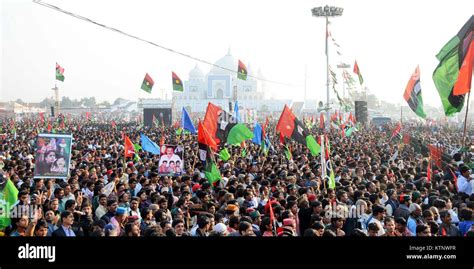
{"type": "Point", "coordinates": [196, 187]}
{"type": "Point", "coordinates": [311, 197]}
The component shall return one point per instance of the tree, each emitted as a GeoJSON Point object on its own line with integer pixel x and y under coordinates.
{"type": "Point", "coordinates": [19, 101]}
{"type": "Point", "coordinates": [47, 102]}
{"type": "Point", "coordinates": [66, 102]}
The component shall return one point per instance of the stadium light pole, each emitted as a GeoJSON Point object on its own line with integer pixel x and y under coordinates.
{"type": "Point", "coordinates": [327, 11]}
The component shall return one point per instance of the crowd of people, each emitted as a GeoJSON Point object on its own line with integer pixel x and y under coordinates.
{"type": "Point", "coordinates": [377, 193]}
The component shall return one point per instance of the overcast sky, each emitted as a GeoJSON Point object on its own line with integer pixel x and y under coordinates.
{"type": "Point", "coordinates": [388, 39]}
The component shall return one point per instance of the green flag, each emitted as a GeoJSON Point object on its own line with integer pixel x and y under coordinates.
{"type": "Point", "coordinates": [147, 83]}
{"type": "Point", "coordinates": [211, 172]}
{"type": "Point", "coordinates": [244, 152]}
{"type": "Point", "coordinates": [224, 154]}
{"type": "Point", "coordinates": [332, 180]}
{"type": "Point", "coordinates": [242, 71]}
{"type": "Point", "coordinates": [313, 146]}
{"type": "Point", "coordinates": [446, 73]}
{"type": "Point", "coordinates": [349, 131]}
{"type": "Point", "coordinates": [59, 73]}
{"type": "Point", "coordinates": [10, 197]}
{"type": "Point", "coordinates": [177, 83]}
{"type": "Point", "coordinates": [238, 134]}
{"type": "Point", "coordinates": [288, 153]}
{"type": "Point", "coordinates": [137, 147]}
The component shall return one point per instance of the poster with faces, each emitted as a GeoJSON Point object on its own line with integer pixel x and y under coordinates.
{"type": "Point", "coordinates": [171, 160]}
{"type": "Point", "coordinates": [52, 155]}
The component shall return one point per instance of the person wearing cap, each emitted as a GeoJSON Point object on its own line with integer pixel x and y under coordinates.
{"type": "Point", "coordinates": [416, 197]}
{"type": "Point", "coordinates": [403, 210]}
{"type": "Point", "coordinates": [256, 221]}
{"type": "Point", "coordinates": [464, 184]}
{"type": "Point", "coordinates": [116, 224]}
{"type": "Point", "coordinates": [220, 229]}
{"type": "Point", "coordinates": [414, 218]}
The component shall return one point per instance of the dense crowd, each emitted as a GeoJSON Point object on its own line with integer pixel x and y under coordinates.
{"type": "Point", "coordinates": [377, 193]}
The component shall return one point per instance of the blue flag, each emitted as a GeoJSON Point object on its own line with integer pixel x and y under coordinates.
{"type": "Point", "coordinates": [236, 111]}
{"type": "Point", "coordinates": [148, 145]}
{"type": "Point", "coordinates": [186, 122]}
{"type": "Point", "coordinates": [257, 134]}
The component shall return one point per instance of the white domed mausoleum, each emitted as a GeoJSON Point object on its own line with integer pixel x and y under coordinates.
{"type": "Point", "coordinates": [221, 86]}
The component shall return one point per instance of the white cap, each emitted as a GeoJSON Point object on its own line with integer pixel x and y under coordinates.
{"type": "Point", "coordinates": [220, 228]}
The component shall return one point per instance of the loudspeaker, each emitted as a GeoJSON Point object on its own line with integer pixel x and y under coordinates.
{"type": "Point", "coordinates": [161, 115]}
{"type": "Point", "coordinates": [52, 111]}
{"type": "Point", "coordinates": [361, 113]}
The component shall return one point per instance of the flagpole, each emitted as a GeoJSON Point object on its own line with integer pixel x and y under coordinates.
{"type": "Point", "coordinates": [401, 114]}
{"type": "Point", "coordinates": [465, 121]}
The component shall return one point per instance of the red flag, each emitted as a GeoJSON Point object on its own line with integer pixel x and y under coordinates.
{"type": "Point", "coordinates": [463, 84]}
{"type": "Point", "coordinates": [205, 138]}
{"type": "Point", "coordinates": [435, 153]}
{"type": "Point", "coordinates": [321, 121]}
{"type": "Point", "coordinates": [129, 148]}
{"type": "Point", "coordinates": [88, 115]}
{"type": "Point", "coordinates": [286, 123]}
{"type": "Point", "coordinates": [113, 124]}
{"type": "Point", "coordinates": [282, 139]}
{"type": "Point", "coordinates": [210, 122]}
{"type": "Point", "coordinates": [397, 130]}
{"type": "Point", "coordinates": [455, 179]}
{"type": "Point", "coordinates": [406, 139]}
{"type": "Point", "coordinates": [49, 127]}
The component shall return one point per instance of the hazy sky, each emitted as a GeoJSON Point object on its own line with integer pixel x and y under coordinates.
{"type": "Point", "coordinates": [388, 39]}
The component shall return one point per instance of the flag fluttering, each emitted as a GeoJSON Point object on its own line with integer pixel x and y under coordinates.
{"type": "Point", "coordinates": [452, 57]}
{"type": "Point", "coordinates": [177, 83]}
{"type": "Point", "coordinates": [413, 94]}
{"type": "Point", "coordinates": [186, 122]}
{"type": "Point", "coordinates": [242, 71]}
{"type": "Point", "coordinates": [59, 72]}
{"type": "Point", "coordinates": [148, 145]}
{"type": "Point", "coordinates": [147, 83]}
{"type": "Point", "coordinates": [290, 127]}
{"type": "Point", "coordinates": [357, 71]}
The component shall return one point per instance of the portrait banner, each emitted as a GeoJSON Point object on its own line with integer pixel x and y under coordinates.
{"type": "Point", "coordinates": [171, 160]}
{"type": "Point", "coordinates": [52, 155]}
